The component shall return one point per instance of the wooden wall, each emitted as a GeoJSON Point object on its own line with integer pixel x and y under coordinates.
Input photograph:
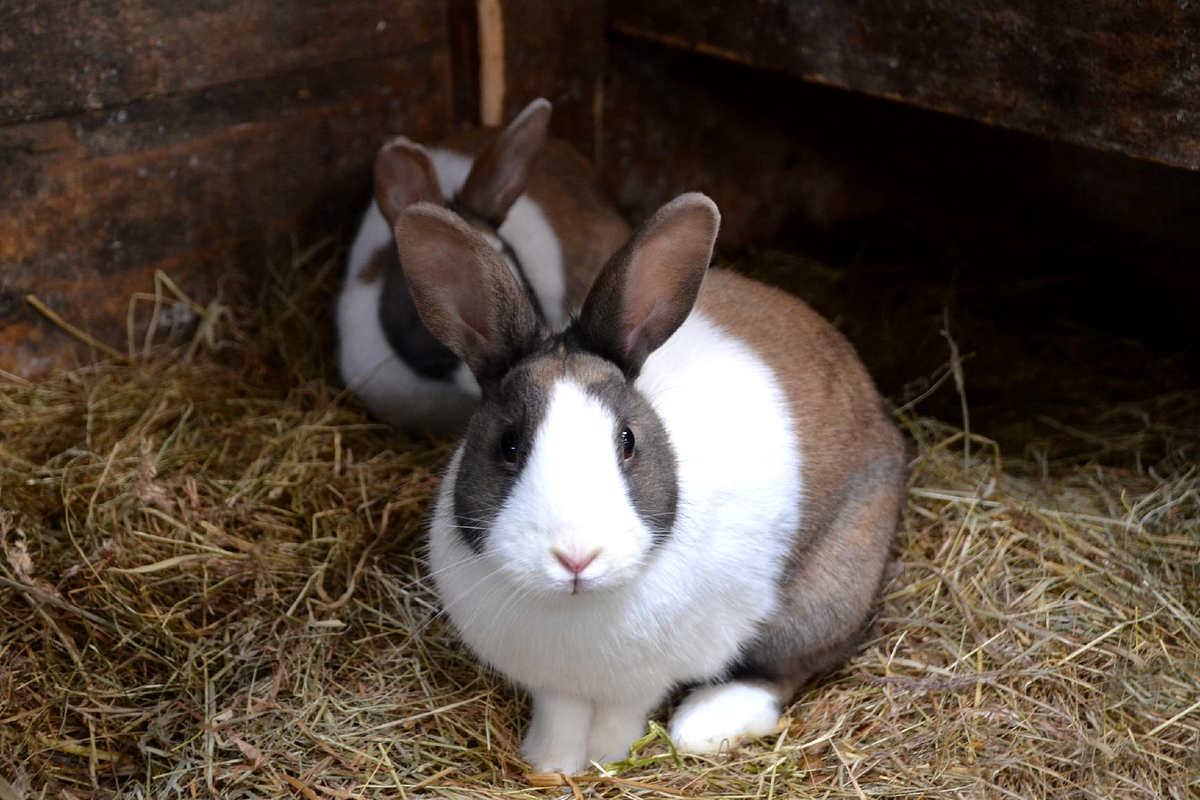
{"type": "Point", "coordinates": [510, 52]}
{"type": "Point", "coordinates": [1111, 74]}
{"type": "Point", "coordinates": [198, 138]}
{"type": "Point", "coordinates": [910, 213]}
{"type": "Point", "coordinates": [797, 164]}
{"type": "Point", "coordinates": [194, 138]}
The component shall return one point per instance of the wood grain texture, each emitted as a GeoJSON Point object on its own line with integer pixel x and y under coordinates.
{"type": "Point", "coordinates": [462, 31]}
{"type": "Point", "coordinates": [846, 177]}
{"type": "Point", "coordinates": [1109, 74]}
{"type": "Point", "coordinates": [910, 213]}
{"type": "Point", "coordinates": [555, 49]}
{"type": "Point", "coordinates": [675, 122]}
{"type": "Point", "coordinates": [202, 186]}
{"type": "Point", "coordinates": [59, 57]}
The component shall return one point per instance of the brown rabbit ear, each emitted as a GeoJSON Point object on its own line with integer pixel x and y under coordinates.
{"type": "Point", "coordinates": [648, 288]}
{"type": "Point", "coordinates": [501, 171]}
{"type": "Point", "coordinates": [465, 293]}
{"type": "Point", "coordinates": [404, 175]}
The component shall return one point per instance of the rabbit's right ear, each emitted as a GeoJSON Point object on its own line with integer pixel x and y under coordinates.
{"type": "Point", "coordinates": [501, 171]}
{"type": "Point", "coordinates": [404, 175]}
{"type": "Point", "coordinates": [648, 287]}
{"type": "Point", "coordinates": [465, 293]}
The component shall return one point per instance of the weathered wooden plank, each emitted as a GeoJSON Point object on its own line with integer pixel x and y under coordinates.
{"type": "Point", "coordinates": [676, 122]}
{"type": "Point", "coordinates": [58, 57]}
{"type": "Point", "coordinates": [924, 209]}
{"type": "Point", "coordinates": [544, 48]}
{"type": "Point", "coordinates": [553, 49]}
{"type": "Point", "coordinates": [843, 176]}
{"type": "Point", "coordinates": [462, 33]}
{"type": "Point", "coordinates": [199, 185]}
{"type": "Point", "coordinates": [1110, 74]}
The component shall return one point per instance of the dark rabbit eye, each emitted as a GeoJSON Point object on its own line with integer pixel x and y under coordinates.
{"type": "Point", "coordinates": [508, 446]}
{"type": "Point", "coordinates": [627, 442]}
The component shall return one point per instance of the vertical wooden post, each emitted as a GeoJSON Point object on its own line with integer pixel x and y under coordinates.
{"type": "Point", "coordinates": [491, 62]}
{"type": "Point", "coordinates": [525, 49]}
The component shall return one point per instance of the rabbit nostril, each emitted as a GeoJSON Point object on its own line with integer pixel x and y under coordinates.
{"type": "Point", "coordinates": [575, 565]}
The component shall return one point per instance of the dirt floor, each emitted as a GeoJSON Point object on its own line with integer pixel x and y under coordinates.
{"type": "Point", "coordinates": [210, 583]}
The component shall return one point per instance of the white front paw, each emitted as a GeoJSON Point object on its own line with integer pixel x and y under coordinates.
{"type": "Point", "coordinates": [557, 737]}
{"type": "Point", "coordinates": [721, 716]}
{"type": "Point", "coordinates": [615, 726]}
{"type": "Point", "coordinates": [605, 747]}
{"type": "Point", "coordinates": [545, 757]}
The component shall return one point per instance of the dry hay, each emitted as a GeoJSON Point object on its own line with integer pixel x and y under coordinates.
{"type": "Point", "coordinates": [209, 588]}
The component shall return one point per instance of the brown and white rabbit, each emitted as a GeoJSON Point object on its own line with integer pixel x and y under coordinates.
{"type": "Point", "coordinates": [533, 199]}
{"type": "Point", "coordinates": [696, 482]}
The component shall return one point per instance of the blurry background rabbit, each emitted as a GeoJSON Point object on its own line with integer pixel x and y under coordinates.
{"type": "Point", "coordinates": [532, 198]}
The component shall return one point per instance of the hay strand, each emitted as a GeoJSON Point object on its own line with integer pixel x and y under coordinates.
{"type": "Point", "coordinates": [73, 331]}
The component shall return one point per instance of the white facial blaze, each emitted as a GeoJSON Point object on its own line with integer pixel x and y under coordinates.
{"type": "Point", "coordinates": [571, 502]}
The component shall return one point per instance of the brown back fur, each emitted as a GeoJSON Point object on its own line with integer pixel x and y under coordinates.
{"type": "Point", "coordinates": [853, 476]}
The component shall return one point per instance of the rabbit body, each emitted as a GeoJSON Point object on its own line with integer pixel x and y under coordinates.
{"type": "Point", "coordinates": [695, 483]}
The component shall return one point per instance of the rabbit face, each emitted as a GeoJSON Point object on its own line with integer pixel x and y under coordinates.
{"type": "Point", "coordinates": [567, 481]}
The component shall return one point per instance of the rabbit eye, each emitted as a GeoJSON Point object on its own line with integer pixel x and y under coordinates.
{"type": "Point", "coordinates": [627, 442]}
{"type": "Point", "coordinates": [509, 446]}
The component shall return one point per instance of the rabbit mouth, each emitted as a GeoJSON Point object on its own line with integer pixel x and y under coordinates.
{"type": "Point", "coordinates": [581, 589]}
{"type": "Point", "coordinates": [603, 582]}
{"type": "Point", "coordinates": [575, 585]}
{"type": "Point", "coordinates": [578, 585]}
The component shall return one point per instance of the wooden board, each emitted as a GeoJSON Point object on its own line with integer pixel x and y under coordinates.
{"type": "Point", "coordinates": [846, 177]}
{"type": "Point", "coordinates": [462, 28]}
{"type": "Point", "coordinates": [902, 208]}
{"type": "Point", "coordinates": [676, 122]}
{"type": "Point", "coordinates": [200, 184]}
{"type": "Point", "coordinates": [555, 49]}
{"type": "Point", "coordinates": [59, 57]}
{"type": "Point", "coordinates": [1110, 74]}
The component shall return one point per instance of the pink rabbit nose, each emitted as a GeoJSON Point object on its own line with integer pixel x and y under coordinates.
{"type": "Point", "coordinates": [575, 564]}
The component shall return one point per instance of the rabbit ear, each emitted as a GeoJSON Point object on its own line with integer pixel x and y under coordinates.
{"type": "Point", "coordinates": [648, 288]}
{"type": "Point", "coordinates": [404, 175]}
{"type": "Point", "coordinates": [501, 171]}
{"type": "Point", "coordinates": [465, 293]}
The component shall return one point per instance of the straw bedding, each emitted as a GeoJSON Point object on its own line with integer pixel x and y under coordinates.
{"type": "Point", "coordinates": [210, 586]}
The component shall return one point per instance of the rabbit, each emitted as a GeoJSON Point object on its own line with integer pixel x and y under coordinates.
{"type": "Point", "coordinates": [695, 483]}
{"type": "Point", "coordinates": [533, 199]}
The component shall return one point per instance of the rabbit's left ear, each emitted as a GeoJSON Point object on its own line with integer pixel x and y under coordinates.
{"type": "Point", "coordinates": [404, 175]}
{"type": "Point", "coordinates": [465, 293]}
{"type": "Point", "coordinates": [648, 288]}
